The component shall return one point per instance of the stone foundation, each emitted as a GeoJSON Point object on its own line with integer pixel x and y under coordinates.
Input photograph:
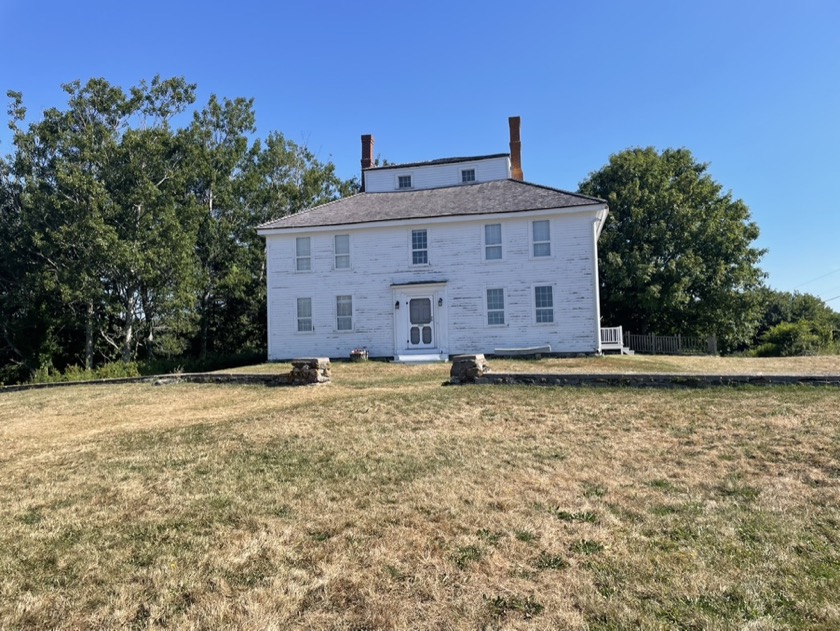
{"type": "Point", "coordinates": [311, 370]}
{"type": "Point", "coordinates": [467, 368]}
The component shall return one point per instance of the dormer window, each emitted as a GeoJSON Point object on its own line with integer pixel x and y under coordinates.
{"type": "Point", "coordinates": [467, 176]}
{"type": "Point", "coordinates": [404, 181]}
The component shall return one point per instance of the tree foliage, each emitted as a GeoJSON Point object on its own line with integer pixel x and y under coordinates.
{"type": "Point", "coordinates": [126, 236]}
{"type": "Point", "coordinates": [795, 324]}
{"type": "Point", "coordinates": [676, 254]}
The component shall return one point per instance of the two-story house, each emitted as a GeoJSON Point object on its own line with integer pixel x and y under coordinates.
{"type": "Point", "coordinates": [432, 259]}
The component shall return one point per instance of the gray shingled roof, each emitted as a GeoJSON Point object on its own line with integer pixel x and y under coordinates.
{"type": "Point", "coordinates": [499, 196]}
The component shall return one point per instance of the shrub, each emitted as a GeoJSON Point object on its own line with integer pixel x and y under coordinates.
{"type": "Point", "coordinates": [795, 338]}
{"type": "Point", "coordinates": [116, 370]}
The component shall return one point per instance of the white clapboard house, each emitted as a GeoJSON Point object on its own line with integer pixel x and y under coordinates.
{"type": "Point", "coordinates": [437, 258]}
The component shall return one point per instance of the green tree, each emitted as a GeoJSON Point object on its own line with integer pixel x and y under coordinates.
{"type": "Point", "coordinates": [102, 245]}
{"type": "Point", "coordinates": [124, 236]}
{"type": "Point", "coordinates": [676, 254]}
{"type": "Point", "coordinates": [795, 324]}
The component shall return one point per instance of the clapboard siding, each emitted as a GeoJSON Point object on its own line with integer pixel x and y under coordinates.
{"type": "Point", "coordinates": [380, 258]}
{"type": "Point", "coordinates": [436, 176]}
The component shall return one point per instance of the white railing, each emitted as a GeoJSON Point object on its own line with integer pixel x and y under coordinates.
{"type": "Point", "coordinates": [612, 337]}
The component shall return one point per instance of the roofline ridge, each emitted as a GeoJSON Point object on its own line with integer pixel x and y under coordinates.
{"type": "Point", "coordinates": [308, 210]}
{"type": "Point", "coordinates": [437, 161]}
{"type": "Point", "coordinates": [559, 190]}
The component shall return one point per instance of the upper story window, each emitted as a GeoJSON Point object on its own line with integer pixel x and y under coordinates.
{"type": "Point", "coordinates": [544, 303]}
{"type": "Point", "coordinates": [304, 315]}
{"type": "Point", "coordinates": [303, 254]}
{"type": "Point", "coordinates": [467, 175]}
{"type": "Point", "coordinates": [344, 313]}
{"type": "Point", "coordinates": [342, 251]}
{"type": "Point", "coordinates": [495, 306]}
{"type": "Point", "coordinates": [541, 238]}
{"type": "Point", "coordinates": [419, 247]}
{"type": "Point", "coordinates": [492, 242]}
{"type": "Point", "coordinates": [404, 181]}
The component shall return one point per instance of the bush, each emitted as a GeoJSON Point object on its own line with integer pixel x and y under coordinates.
{"type": "Point", "coordinates": [789, 339]}
{"type": "Point", "coordinates": [114, 370]}
{"type": "Point", "coordinates": [117, 370]}
{"type": "Point", "coordinates": [47, 373]}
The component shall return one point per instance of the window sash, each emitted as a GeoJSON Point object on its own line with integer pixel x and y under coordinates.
{"type": "Point", "coordinates": [304, 315]}
{"type": "Point", "coordinates": [303, 254]}
{"type": "Point", "coordinates": [467, 175]}
{"type": "Point", "coordinates": [344, 313]}
{"type": "Point", "coordinates": [495, 306]}
{"type": "Point", "coordinates": [419, 247]}
{"type": "Point", "coordinates": [493, 242]}
{"type": "Point", "coordinates": [544, 304]}
{"type": "Point", "coordinates": [342, 251]}
{"type": "Point", "coordinates": [404, 181]}
{"type": "Point", "coordinates": [541, 237]}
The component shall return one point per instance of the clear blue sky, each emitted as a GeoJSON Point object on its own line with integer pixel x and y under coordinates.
{"type": "Point", "coordinates": [753, 88]}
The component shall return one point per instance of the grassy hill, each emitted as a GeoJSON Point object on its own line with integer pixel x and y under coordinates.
{"type": "Point", "coordinates": [384, 500]}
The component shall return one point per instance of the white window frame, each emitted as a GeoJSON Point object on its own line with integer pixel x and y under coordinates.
{"type": "Point", "coordinates": [413, 250]}
{"type": "Point", "coordinates": [464, 172]}
{"type": "Point", "coordinates": [397, 182]}
{"type": "Point", "coordinates": [485, 245]}
{"type": "Point", "coordinates": [339, 316]}
{"type": "Point", "coordinates": [300, 258]}
{"type": "Point", "coordinates": [299, 318]}
{"type": "Point", "coordinates": [535, 243]}
{"type": "Point", "coordinates": [343, 255]}
{"type": "Point", "coordinates": [488, 310]}
{"type": "Point", "coordinates": [537, 308]}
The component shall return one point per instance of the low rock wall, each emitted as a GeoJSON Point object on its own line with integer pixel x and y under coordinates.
{"type": "Point", "coordinates": [304, 372]}
{"type": "Point", "coordinates": [656, 380]}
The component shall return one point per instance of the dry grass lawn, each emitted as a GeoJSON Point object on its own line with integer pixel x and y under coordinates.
{"type": "Point", "coordinates": [385, 501]}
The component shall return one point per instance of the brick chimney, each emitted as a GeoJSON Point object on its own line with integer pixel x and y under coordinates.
{"type": "Point", "coordinates": [367, 156]}
{"type": "Point", "coordinates": [515, 149]}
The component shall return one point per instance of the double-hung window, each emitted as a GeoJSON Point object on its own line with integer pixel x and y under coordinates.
{"type": "Point", "coordinates": [342, 251]}
{"type": "Point", "coordinates": [404, 181]}
{"type": "Point", "coordinates": [541, 238]}
{"type": "Point", "coordinates": [419, 247]}
{"type": "Point", "coordinates": [544, 303]}
{"type": "Point", "coordinates": [495, 306]}
{"type": "Point", "coordinates": [467, 176]}
{"type": "Point", "coordinates": [304, 315]}
{"type": "Point", "coordinates": [344, 313]}
{"type": "Point", "coordinates": [492, 242]}
{"type": "Point", "coordinates": [303, 254]}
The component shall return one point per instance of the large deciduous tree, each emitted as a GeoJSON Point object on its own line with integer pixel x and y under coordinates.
{"type": "Point", "coordinates": [676, 255]}
{"type": "Point", "coordinates": [124, 236]}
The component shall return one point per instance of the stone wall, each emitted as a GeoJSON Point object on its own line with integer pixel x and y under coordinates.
{"type": "Point", "coordinates": [311, 370]}
{"type": "Point", "coordinates": [304, 372]}
{"type": "Point", "coordinates": [467, 368]}
{"type": "Point", "coordinates": [655, 380]}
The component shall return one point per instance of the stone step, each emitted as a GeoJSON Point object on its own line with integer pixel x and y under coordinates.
{"type": "Point", "coordinates": [425, 358]}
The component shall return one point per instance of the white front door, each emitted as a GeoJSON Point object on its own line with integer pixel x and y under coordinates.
{"type": "Point", "coordinates": [421, 326]}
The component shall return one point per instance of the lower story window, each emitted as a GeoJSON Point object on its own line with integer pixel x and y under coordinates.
{"type": "Point", "coordinates": [304, 315]}
{"type": "Point", "coordinates": [544, 301]}
{"type": "Point", "coordinates": [344, 313]}
{"type": "Point", "coordinates": [495, 306]}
